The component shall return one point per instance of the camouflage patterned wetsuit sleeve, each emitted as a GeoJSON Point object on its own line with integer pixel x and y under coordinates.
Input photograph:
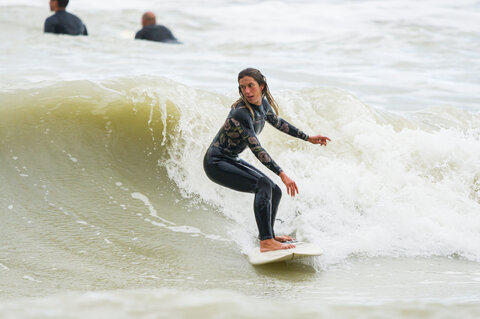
{"type": "Point", "coordinates": [282, 125]}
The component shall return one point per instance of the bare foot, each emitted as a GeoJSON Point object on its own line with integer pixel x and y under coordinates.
{"type": "Point", "coordinates": [272, 244]}
{"type": "Point", "coordinates": [283, 238]}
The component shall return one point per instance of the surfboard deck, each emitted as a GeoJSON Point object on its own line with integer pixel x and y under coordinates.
{"type": "Point", "coordinates": [301, 250]}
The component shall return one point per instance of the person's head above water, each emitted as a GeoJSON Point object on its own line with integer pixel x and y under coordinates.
{"type": "Point", "coordinates": [252, 86]}
{"type": "Point", "coordinates": [56, 5]}
{"type": "Point", "coordinates": [148, 18]}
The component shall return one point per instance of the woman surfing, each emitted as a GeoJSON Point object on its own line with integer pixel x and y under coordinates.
{"type": "Point", "coordinates": [241, 128]}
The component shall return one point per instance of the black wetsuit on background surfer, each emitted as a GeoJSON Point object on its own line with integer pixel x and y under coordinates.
{"type": "Point", "coordinates": [63, 22]}
{"type": "Point", "coordinates": [153, 31]}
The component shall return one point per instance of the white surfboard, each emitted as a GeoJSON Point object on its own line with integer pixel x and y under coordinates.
{"type": "Point", "coordinates": [301, 250]}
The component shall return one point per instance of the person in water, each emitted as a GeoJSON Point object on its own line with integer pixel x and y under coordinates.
{"type": "Point", "coordinates": [153, 31]}
{"type": "Point", "coordinates": [63, 22]}
{"type": "Point", "coordinates": [241, 129]}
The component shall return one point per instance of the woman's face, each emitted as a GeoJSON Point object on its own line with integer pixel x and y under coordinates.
{"type": "Point", "coordinates": [251, 90]}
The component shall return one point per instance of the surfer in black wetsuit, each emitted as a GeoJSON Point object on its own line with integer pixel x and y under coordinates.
{"type": "Point", "coordinates": [223, 166]}
{"type": "Point", "coordinates": [153, 31]}
{"type": "Point", "coordinates": [63, 22]}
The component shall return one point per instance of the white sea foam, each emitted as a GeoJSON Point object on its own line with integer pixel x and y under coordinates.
{"type": "Point", "coordinates": [388, 184]}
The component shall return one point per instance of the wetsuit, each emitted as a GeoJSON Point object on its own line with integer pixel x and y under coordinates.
{"type": "Point", "coordinates": [63, 22]}
{"type": "Point", "coordinates": [223, 166]}
{"type": "Point", "coordinates": [155, 32]}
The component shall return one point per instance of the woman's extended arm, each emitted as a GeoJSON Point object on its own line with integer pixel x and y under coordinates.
{"type": "Point", "coordinates": [291, 130]}
{"type": "Point", "coordinates": [262, 155]}
{"type": "Point", "coordinates": [265, 159]}
{"type": "Point", "coordinates": [285, 127]}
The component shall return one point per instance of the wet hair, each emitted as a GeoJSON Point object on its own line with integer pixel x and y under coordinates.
{"type": "Point", "coordinates": [260, 79]}
{"type": "Point", "coordinates": [62, 3]}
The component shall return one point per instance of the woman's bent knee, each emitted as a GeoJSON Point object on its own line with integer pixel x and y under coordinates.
{"type": "Point", "coordinates": [264, 184]}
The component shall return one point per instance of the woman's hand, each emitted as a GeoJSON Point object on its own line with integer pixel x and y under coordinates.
{"type": "Point", "coordinates": [318, 139]}
{"type": "Point", "coordinates": [291, 185]}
